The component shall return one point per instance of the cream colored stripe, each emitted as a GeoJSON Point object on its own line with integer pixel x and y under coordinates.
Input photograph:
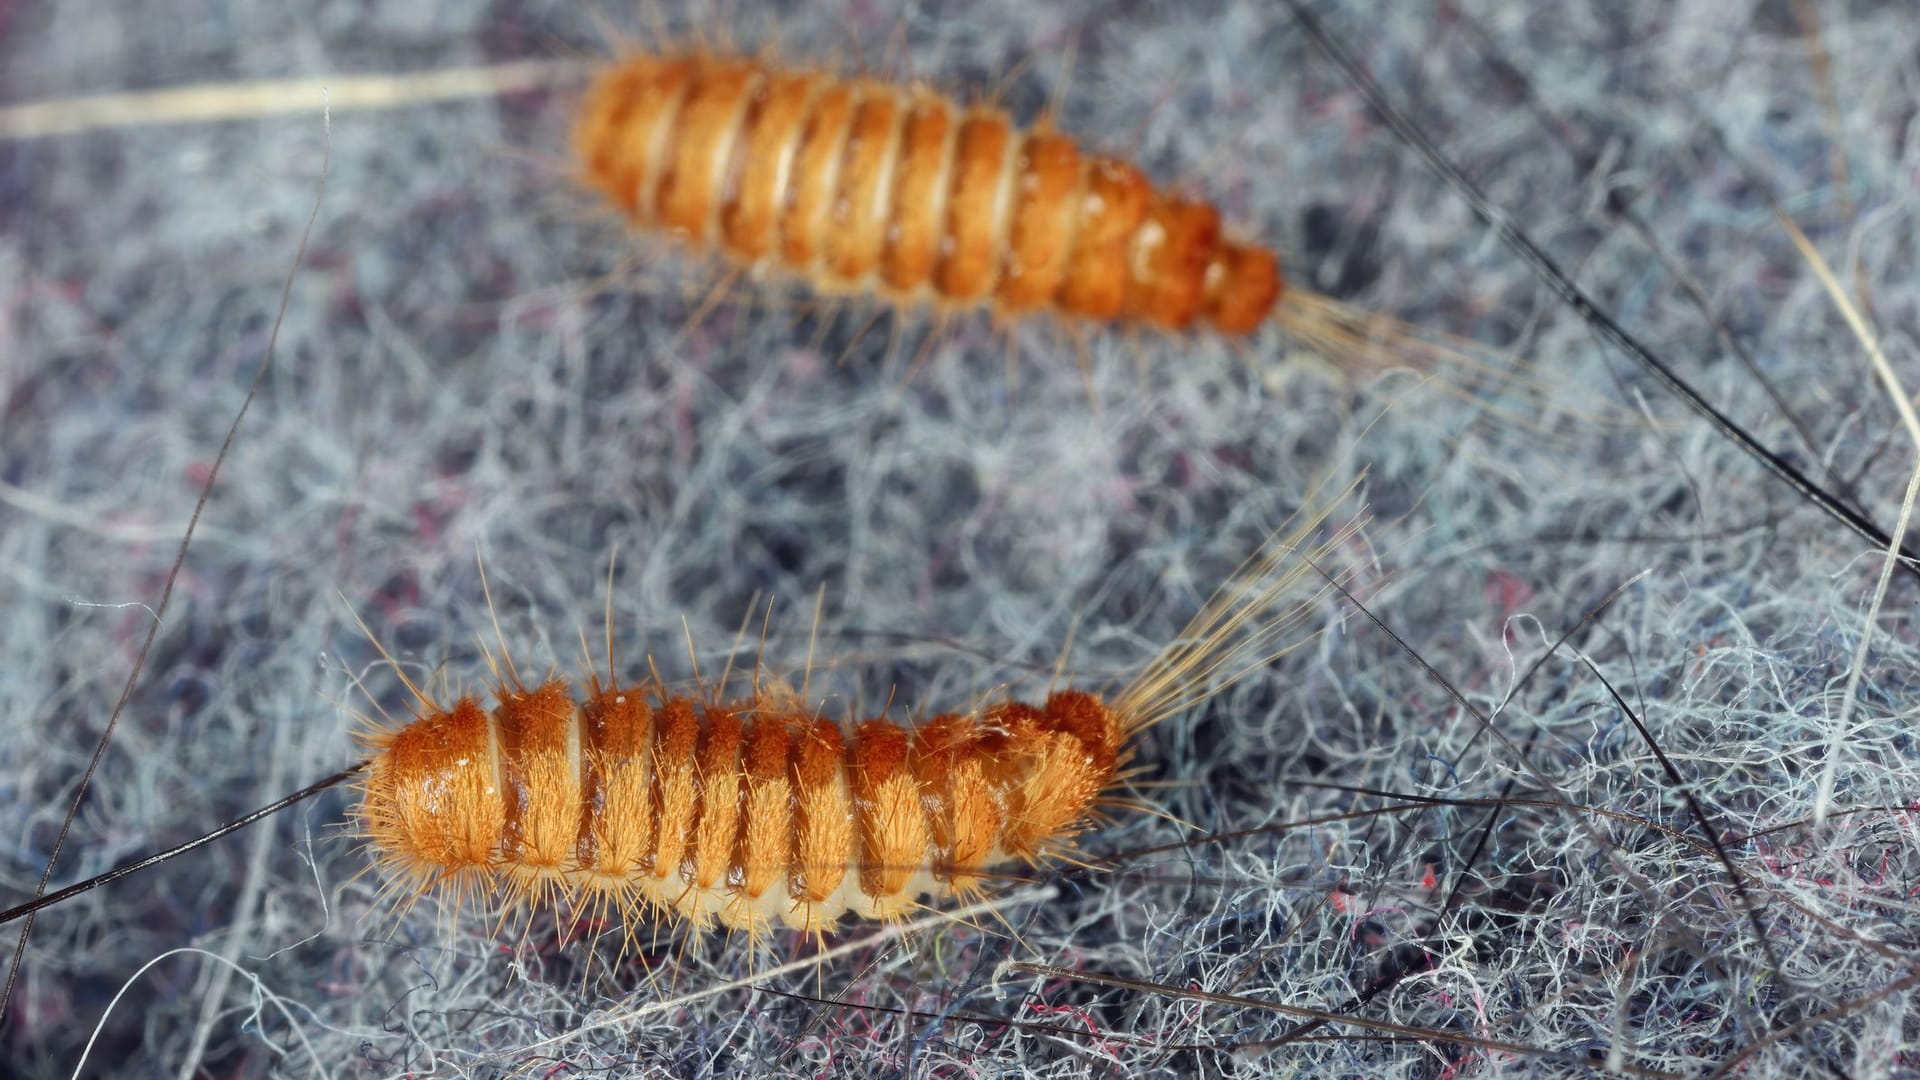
{"type": "Point", "coordinates": [582, 785]}
{"type": "Point", "coordinates": [496, 763]}
{"type": "Point", "coordinates": [724, 167]}
{"type": "Point", "coordinates": [1005, 195]}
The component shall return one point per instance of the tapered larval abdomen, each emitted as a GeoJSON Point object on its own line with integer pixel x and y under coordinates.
{"type": "Point", "coordinates": [862, 186]}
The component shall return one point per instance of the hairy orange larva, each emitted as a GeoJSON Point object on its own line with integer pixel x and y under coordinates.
{"type": "Point", "coordinates": [760, 811]}
{"type": "Point", "coordinates": [865, 187]}
{"type": "Point", "coordinates": [754, 812]}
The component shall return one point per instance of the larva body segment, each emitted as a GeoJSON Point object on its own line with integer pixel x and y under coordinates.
{"type": "Point", "coordinates": [758, 811]}
{"type": "Point", "coordinates": [752, 813]}
{"type": "Point", "coordinates": [858, 186]}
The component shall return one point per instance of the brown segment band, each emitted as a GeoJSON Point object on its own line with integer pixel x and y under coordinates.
{"type": "Point", "coordinates": [863, 203]}
{"type": "Point", "coordinates": [970, 252]}
{"type": "Point", "coordinates": [815, 178]}
{"type": "Point", "coordinates": [1044, 221]}
{"type": "Point", "coordinates": [919, 195]}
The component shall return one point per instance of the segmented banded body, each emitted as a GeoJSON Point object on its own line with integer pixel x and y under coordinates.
{"type": "Point", "coordinates": [758, 811]}
{"type": "Point", "coordinates": [753, 812]}
{"type": "Point", "coordinates": [861, 186]}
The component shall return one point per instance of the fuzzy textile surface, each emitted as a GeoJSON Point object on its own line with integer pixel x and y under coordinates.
{"type": "Point", "coordinates": [1342, 865]}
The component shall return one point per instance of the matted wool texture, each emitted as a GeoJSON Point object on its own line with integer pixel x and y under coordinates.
{"type": "Point", "coordinates": [1334, 868]}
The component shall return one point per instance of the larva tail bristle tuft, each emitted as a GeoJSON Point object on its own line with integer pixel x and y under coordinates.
{"type": "Point", "coordinates": [1362, 343]}
{"type": "Point", "coordinates": [1351, 336]}
{"type": "Point", "coordinates": [1233, 634]}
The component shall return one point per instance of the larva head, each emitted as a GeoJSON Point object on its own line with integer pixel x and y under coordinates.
{"type": "Point", "coordinates": [622, 123]}
{"type": "Point", "coordinates": [1242, 286]}
{"type": "Point", "coordinates": [430, 803]}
